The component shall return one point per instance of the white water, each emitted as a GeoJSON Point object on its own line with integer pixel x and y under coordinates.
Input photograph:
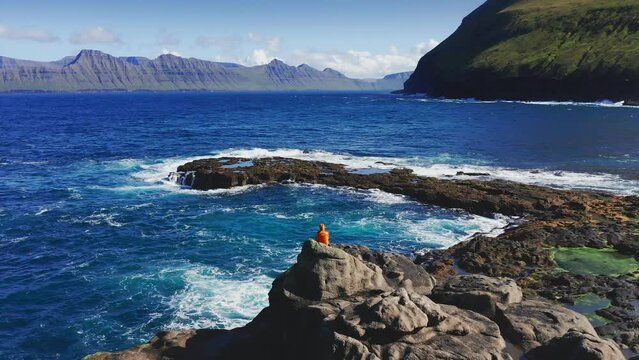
{"type": "Point", "coordinates": [430, 167]}
{"type": "Point", "coordinates": [602, 103]}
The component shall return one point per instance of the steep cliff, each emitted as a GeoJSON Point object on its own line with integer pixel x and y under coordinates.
{"type": "Point", "coordinates": [538, 50]}
{"type": "Point", "coordinates": [95, 70]}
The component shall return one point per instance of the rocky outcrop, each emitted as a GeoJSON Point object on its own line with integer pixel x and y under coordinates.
{"type": "Point", "coordinates": [325, 273]}
{"type": "Point", "coordinates": [95, 70]}
{"type": "Point", "coordinates": [547, 218]}
{"type": "Point", "coordinates": [338, 303]}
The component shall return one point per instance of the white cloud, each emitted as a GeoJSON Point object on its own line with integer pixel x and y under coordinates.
{"type": "Point", "coordinates": [272, 43]}
{"type": "Point", "coordinates": [257, 57]}
{"type": "Point", "coordinates": [364, 64]}
{"type": "Point", "coordinates": [166, 51]}
{"type": "Point", "coordinates": [95, 35]}
{"type": "Point", "coordinates": [27, 34]}
{"type": "Point", "coordinates": [424, 47]}
{"type": "Point", "coordinates": [261, 48]}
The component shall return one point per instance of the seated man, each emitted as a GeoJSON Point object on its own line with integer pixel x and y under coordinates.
{"type": "Point", "coordinates": [322, 235]}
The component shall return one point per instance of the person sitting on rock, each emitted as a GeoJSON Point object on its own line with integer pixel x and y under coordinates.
{"type": "Point", "coordinates": [322, 235]}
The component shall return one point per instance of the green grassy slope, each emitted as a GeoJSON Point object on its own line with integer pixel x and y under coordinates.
{"type": "Point", "coordinates": [538, 49]}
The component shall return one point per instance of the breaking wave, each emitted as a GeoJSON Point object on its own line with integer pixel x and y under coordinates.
{"type": "Point", "coordinates": [432, 168]}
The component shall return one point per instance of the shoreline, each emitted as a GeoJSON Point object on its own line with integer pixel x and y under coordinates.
{"type": "Point", "coordinates": [549, 219]}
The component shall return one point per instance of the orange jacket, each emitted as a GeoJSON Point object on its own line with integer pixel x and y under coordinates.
{"type": "Point", "coordinates": [322, 235]}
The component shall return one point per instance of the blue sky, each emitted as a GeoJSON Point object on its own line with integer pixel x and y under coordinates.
{"type": "Point", "coordinates": [362, 38]}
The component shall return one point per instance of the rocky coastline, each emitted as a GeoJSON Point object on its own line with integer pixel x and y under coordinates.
{"type": "Point", "coordinates": [485, 298]}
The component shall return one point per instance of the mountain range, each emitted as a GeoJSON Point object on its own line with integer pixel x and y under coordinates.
{"type": "Point", "coordinates": [93, 70]}
{"type": "Point", "coordinates": [583, 50]}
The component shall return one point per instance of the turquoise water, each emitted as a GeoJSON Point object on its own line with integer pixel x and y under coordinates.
{"type": "Point", "coordinates": [98, 251]}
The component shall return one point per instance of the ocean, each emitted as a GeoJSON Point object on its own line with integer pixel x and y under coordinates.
{"type": "Point", "coordinates": [99, 251]}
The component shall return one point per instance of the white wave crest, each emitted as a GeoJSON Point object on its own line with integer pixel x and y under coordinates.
{"type": "Point", "coordinates": [383, 197]}
{"type": "Point", "coordinates": [211, 299]}
{"type": "Point", "coordinates": [437, 232]}
{"type": "Point", "coordinates": [429, 167]}
{"type": "Point", "coordinates": [602, 103]}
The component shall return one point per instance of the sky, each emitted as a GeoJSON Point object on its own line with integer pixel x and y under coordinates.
{"type": "Point", "coordinates": [361, 38]}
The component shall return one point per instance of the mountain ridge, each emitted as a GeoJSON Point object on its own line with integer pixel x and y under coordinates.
{"type": "Point", "coordinates": [94, 70]}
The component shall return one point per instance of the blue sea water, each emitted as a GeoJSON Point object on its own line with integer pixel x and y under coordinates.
{"type": "Point", "coordinates": [98, 251]}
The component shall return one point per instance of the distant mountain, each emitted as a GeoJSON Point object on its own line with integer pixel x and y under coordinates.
{"type": "Point", "coordinates": [391, 81]}
{"type": "Point", "coordinates": [98, 71]}
{"type": "Point", "coordinates": [583, 50]}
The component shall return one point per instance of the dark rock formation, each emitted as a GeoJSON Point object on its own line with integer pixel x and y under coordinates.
{"type": "Point", "coordinates": [338, 303]}
{"type": "Point", "coordinates": [576, 346]}
{"type": "Point", "coordinates": [537, 50]}
{"type": "Point", "coordinates": [547, 218]}
{"type": "Point", "coordinates": [97, 71]}
{"type": "Point", "coordinates": [532, 323]}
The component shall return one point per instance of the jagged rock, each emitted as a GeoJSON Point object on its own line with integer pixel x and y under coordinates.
{"type": "Point", "coordinates": [460, 334]}
{"type": "Point", "coordinates": [398, 270]}
{"type": "Point", "coordinates": [532, 323]}
{"type": "Point", "coordinates": [577, 346]}
{"type": "Point", "coordinates": [405, 325]}
{"type": "Point", "coordinates": [388, 316]}
{"type": "Point", "coordinates": [478, 293]}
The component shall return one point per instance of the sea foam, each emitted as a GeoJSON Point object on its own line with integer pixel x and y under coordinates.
{"type": "Point", "coordinates": [429, 167]}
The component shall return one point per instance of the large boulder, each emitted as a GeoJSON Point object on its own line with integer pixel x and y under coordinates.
{"type": "Point", "coordinates": [575, 345]}
{"type": "Point", "coordinates": [479, 293]}
{"type": "Point", "coordinates": [535, 322]}
{"type": "Point", "coordinates": [327, 272]}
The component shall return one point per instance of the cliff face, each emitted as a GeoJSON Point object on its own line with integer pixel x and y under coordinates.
{"type": "Point", "coordinates": [95, 70]}
{"type": "Point", "coordinates": [538, 50]}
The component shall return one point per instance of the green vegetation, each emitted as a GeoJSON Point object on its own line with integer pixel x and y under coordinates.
{"type": "Point", "coordinates": [559, 38]}
{"type": "Point", "coordinates": [590, 261]}
{"type": "Point", "coordinates": [541, 45]}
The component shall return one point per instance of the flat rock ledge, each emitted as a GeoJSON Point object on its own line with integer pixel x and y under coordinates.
{"type": "Point", "coordinates": [347, 302]}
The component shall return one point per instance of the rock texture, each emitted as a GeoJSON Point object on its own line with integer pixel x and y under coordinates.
{"type": "Point", "coordinates": [547, 218]}
{"type": "Point", "coordinates": [577, 346]}
{"type": "Point", "coordinates": [582, 50]}
{"type": "Point", "coordinates": [97, 71]}
{"type": "Point", "coordinates": [338, 303]}
{"type": "Point", "coordinates": [532, 323]}
{"type": "Point", "coordinates": [479, 293]}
